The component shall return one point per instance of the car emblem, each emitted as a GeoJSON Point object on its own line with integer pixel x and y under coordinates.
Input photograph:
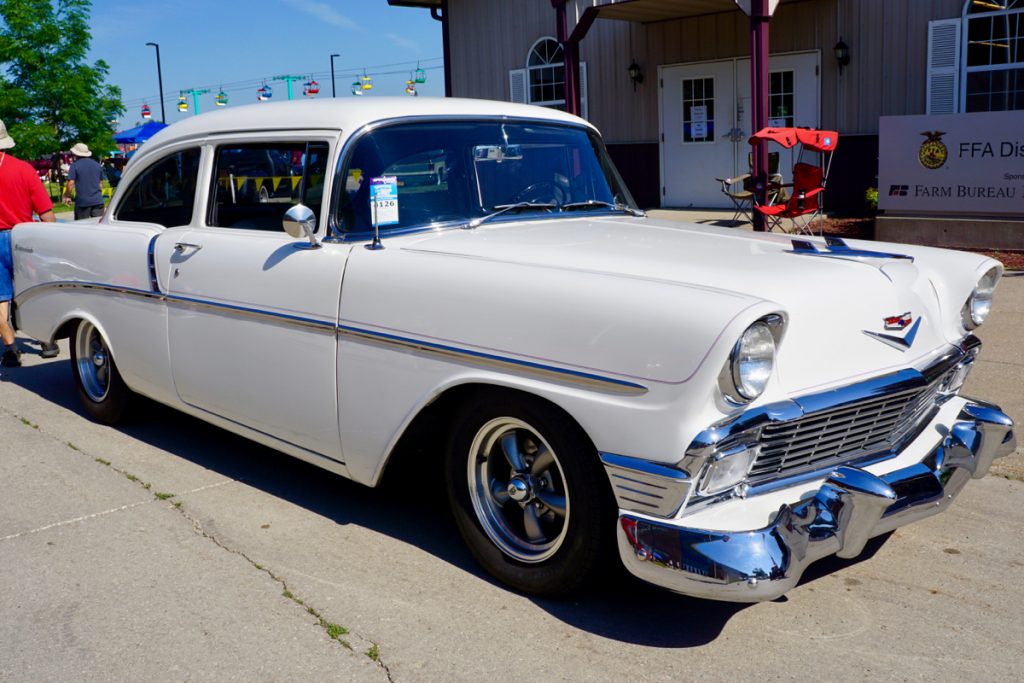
{"type": "Point", "coordinates": [900, 343]}
{"type": "Point", "coordinates": [898, 322]}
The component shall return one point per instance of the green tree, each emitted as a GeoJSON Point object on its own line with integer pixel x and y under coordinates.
{"type": "Point", "coordinates": [50, 98]}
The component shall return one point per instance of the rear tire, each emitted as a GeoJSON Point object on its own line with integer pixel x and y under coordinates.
{"type": "Point", "coordinates": [104, 394]}
{"type": "Point", "coordinates": [529, 495]}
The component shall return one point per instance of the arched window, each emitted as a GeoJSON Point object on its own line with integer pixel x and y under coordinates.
{"type": "Point", "coordinates": [542, 81]}
{"type": "Point", "coordinates": [545, 69]}
{"type": "Point", "coordinates": [993, 68]}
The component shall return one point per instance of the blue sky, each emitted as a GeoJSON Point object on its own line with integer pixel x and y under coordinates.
{"type": "Point", "coordinates": [235, 44]}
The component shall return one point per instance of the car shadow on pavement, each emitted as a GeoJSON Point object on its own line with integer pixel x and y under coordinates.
{"type": "Point", "coordinates": [621, 607]}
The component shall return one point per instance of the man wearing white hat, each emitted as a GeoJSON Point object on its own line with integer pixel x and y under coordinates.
{"type": "Point", "coordinates": [85, 177]}
{"type": "Point", "coordinates": [21, 195]}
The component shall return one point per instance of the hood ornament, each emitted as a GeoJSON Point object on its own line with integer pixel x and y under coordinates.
{"type": "Point", "coordinates": [837, 248]}
{"type": "Point", "coordinates": [897, 322]}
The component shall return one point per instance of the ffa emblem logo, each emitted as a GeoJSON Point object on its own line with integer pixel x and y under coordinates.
{"type": "Point", "coordinates": [933, 152]}
{"type": "Point", "coordinates": [898, 322]}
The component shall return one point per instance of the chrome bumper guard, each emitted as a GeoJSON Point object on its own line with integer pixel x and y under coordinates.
{"type": "Point", "coordinates": [851, 507]}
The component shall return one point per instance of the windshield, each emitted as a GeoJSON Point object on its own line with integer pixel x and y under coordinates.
{"type": "Point", "coordinates": [460, 171]}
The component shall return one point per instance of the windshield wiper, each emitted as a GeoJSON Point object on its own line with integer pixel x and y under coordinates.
{"type": "Point", "coordinates": [604, 205]}
{"type": "Point", "coordinates": [505, 208]}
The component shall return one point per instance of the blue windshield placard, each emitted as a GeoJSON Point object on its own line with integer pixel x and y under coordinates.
{"type": "Point", "coordinates": [384, 200]}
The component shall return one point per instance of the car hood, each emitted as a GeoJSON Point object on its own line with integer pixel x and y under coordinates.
{"type": "Point", "coordinates": [835, 306]}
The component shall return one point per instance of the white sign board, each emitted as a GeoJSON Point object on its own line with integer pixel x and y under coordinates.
{"type": "Point", "coordinates": [952, 163]}
{"type": "Point", "coordinates": [699, 121]}
{"type": "Point", "coordinates": [745, 6]}
{"type": "Point", "coordinates": [384, 200]}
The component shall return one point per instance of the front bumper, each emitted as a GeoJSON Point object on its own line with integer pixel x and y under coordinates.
{"type": "Point", "coordinates": [851, 507]}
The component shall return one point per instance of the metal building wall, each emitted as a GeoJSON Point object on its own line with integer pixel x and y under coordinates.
{"type": "Point", "coordinates": [886, 75]}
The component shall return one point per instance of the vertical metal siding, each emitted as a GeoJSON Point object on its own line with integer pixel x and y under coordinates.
{"type": "Point", "coordinates": [886, 75]}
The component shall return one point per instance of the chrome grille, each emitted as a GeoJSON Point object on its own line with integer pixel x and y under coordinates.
{"type": "Point", "coordinates": [843, 434]}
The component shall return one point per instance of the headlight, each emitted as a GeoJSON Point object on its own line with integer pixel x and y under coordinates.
{"type": "Point", "coordinates": [979, 303]}
{"type": "Point", "coordinates": [751, 362]}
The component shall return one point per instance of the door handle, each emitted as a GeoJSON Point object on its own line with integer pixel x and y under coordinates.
{"type": "Point", "coordinates": [180, 247]}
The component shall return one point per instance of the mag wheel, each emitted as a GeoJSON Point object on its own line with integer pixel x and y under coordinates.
{"type": "Point", "coordinates": [100, 387]}
{"type": "Point", "coordinates": [529, 495]}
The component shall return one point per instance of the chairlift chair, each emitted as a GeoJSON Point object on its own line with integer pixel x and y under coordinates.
{"type": "Point", "coordinates": [806, 197]}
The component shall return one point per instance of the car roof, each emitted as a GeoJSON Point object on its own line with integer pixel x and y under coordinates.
{"type": "Point", "coordinates": [344, 114]}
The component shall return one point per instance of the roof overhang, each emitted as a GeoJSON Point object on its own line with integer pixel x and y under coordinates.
{"type": "Point", "coordinates": [645, 11]}
{"type": "Point", "coordinates": [427, 4]}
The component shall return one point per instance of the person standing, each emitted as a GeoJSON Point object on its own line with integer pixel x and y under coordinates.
{"type": "Point", "coordinates": [85, 177]}
{"type": "Point", "coordinates": [21, 194]}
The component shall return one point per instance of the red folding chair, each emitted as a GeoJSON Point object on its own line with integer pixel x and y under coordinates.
{"type": "Point", "coordinates": [805, 201]}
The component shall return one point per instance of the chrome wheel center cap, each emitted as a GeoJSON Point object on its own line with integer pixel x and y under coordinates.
{"type": "Point", "coordinates": [519, 490]}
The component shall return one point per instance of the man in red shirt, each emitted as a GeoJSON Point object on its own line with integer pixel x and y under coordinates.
{"type": "Point", "coordinates": [21, 195]}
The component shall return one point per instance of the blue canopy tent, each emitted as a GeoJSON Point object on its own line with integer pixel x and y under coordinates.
{"type": "Point", "coordinates": [139, 134]}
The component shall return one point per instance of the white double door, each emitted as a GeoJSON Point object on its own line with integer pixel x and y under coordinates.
{"type": "Point", "coordinates": [705, 115]}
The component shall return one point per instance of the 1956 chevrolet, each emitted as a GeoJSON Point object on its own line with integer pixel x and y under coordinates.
{"type": "Point", "coordinates": [721, 407]}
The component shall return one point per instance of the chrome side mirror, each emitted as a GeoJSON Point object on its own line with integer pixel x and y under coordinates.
{"type": "Point", "coordinates": [299, 221]}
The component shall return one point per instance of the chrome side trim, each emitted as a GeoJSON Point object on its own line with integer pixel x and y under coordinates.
{"type": "Point", "coordinates": [502, 362]}
{"type": "Point", "coordinates": [851, 507]}
{"type": "Point", "coordinates": [549, 372]}
{"type": "Point", "coordinates": [32, 292]}
{"type": "Point", "coordinates": [646, 487]}
{"type": "Point", "coordinates": [254, 313]}
{"type": "Point", "coordinates": [269, 316]}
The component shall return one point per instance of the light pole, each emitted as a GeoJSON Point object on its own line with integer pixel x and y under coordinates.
{"type": "Point", "coordinates": [160, 80]}
{"type": "Point", "coordinates": [334, 92]}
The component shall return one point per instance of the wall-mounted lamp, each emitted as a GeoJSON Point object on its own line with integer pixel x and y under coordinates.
{"type": "Point", "coordinates": [842, 51]}
{"type": "Point", "coordinates": [635, 74]}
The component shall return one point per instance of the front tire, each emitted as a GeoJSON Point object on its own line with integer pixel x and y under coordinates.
{"type": "Point", "coordinates": [529, 495]}
{"type": "Point", "coordinates": [103, 393]}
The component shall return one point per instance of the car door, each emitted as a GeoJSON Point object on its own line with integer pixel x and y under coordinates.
{"type": "Point", "coordinates": [252, 313]}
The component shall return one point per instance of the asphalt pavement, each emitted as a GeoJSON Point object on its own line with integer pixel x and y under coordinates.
{"type": "Point", "coordinates": [170, 550]}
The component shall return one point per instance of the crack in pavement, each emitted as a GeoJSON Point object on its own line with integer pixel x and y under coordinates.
{"type": "Point", "coordinates": [334, 631]}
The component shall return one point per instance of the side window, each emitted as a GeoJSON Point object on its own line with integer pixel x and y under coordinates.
{"type": "Point", "coordinates": [164, 193]}
{"type": "Point", "coordinates": [254, 184]}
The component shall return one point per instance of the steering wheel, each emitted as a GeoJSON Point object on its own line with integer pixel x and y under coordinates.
{"type": "Point", "coordinates": [544, 191]}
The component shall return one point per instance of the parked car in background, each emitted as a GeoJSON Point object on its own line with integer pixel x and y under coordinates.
{"type": "Point", "coordinates": [717, 408]}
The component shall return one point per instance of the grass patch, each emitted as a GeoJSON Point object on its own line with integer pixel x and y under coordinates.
{"type": "Point", "coordinates": [159, 495]}
{"type": "Point", "coordinates": [374, 652]}
{"type": "Point", "coordinates": [74, 447]}
{"type": "Point", "coordinates": [334, 631]}
{"type": "Point", "coordinates": [102, 461]}
{"type": "Point", "coordinates": [29, 423]}
{"type": "Point", "coordinates": [131, 477]}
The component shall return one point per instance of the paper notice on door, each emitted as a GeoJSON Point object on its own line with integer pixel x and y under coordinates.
{"type": "Point", "coordinates": [699, 121]}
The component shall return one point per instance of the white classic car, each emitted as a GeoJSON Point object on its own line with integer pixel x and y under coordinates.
{"type": "Point", "coordinates": [721, 408]}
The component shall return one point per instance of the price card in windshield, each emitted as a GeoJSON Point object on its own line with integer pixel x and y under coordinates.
{"type": "Point", "coordinates": [384, 200]}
